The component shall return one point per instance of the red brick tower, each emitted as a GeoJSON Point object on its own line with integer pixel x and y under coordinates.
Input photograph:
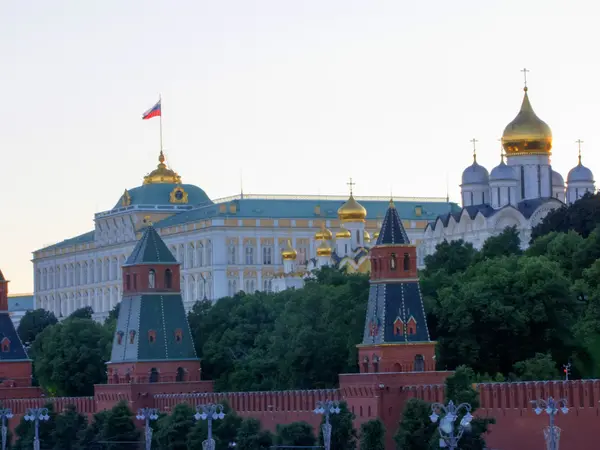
{"type": "Point", "coordinates": [396, 338]}
{"type": "Point", "coordinates": [15, 365]}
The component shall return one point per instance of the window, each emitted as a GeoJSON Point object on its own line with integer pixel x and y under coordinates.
{"type": "Point", "coordinates": [375, 265]}
{"type": "Point", "coordinates": [152, 336]}
{"type": "Point", "coordinates": [412, 326]}
{"type": "Point", "coordinates": [419, 363]}
{"type": "Point", "coordinates": [267, 255]}
{"type": "Point", "coordinates": [393, 262]}
{"type": "Point", "coordinates": [249, 255]}
{"type": "Point", "coordinates": [135, 281]}
{"type": "Point", "coordinates": [406, 262]}
{"type": "Point", "coordinates": [178, 335]}
{"type": "Point", "coordinates": [5, 345]}
{"type": "Point", "coordinates": [151, 279]}
{"type": "Point", "coordinates": [357, 237]}
{"type": "Point", "coordinates": [131, 336]}
{"type": "Point", "coordinates": [127, 281]}
{"type": "Point", "coordinates": [153, 375]}
{"type": "Point", "coordinates": [231, 254]}
{"type": "Point", "coordinates": [168, 279]}
{"type": "Point", "coordinates": [120, 337]}
{"type": "Point", "coordinates": [398, 327]}
{"type": "Point", "coordinates": [180, 374]}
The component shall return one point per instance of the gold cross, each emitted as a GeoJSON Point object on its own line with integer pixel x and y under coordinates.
{"type": "Point", "coordinates": [474, 141]}
{"type": "Point", "coordinates": [579, 142]}
{"type": "Point", "coordinates": [524, 70]}
{"type": "Point", "coordinates": [350, 183]}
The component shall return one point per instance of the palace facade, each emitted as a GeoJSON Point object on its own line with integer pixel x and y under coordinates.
{"type": "Point", "coordinates": [224, 246]}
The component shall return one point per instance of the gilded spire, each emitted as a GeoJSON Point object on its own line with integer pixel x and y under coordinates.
{"type": "Point", "coordinates": [474, 142]}
{"type": "Point", "coordinates": [162, 174]}
{"type": "Point", "coordinates": [579, 142]}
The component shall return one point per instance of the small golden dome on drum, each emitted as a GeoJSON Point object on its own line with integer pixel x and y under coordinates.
{"type": "Point", "coordinates": [352, 211]}
{"type": "Point", "coordinates": [367, 236]}
{"type": "Point", "coordinates": [161, 174]}
{"type": "Point", "coordinates": [323, 234]}
{"type": "Point", "coordinates": [376, 235]}
{"type": "Point", "coordinates": [323, 249]}
{"type": "Point", "coordinates": [527, 134]}
{"type": "Point", "coordinates": [289, 254]}
{"type": "Point", "coordinates": [343, 234]}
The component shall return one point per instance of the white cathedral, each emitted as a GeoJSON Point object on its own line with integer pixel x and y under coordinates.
{"type": "Point", "coordinates": [519, 192]}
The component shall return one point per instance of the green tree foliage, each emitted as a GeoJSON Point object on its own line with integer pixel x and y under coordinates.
{"type": "Point", "coordinates": [224, 430]}
{"type": "Point", "coordinates": [506, 243]}
{"type": "Point", "coordinates": [296, 434]}
{"type": "Point", "coordinates": [250, 436]}
{"type": "Point", "coordinates": [343, 433]}
{"type": "Point", "coordinates": [173, 429]}
{"type": "Point", "coordinates": [25, 432]}
{"type": "Point", "coordinates": [119, 429]}
{"type": "Point", "coordinates": [582, 217]}
{"type": "Point", "coordinates": [90, 437]}
{"type": "Point", "coordinates": [68, 428]}
{"type": "Point", "coordinates": [540, 367]}
{"type": "Point", "coordinates": [416, 429]}
{"type": "Point", "coordinates": [70, 357]}
{"type": "Point", "coordinates": [33, 323]}
{"type": "Point", "coordinates": [82, 313]}
{"type": "Point", "coordinates": [372, 435]}
{"type": "Point", "coordinates": [504, 310]}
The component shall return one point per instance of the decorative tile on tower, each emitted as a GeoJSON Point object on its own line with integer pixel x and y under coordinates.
{"type": "Point", "coordinates": [396, 337]}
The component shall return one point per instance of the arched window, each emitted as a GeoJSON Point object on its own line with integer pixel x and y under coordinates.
{"type": "Point", "coordinates": [135, 281]}
{"type": "Point", "coordinates": [180, 374]}
{"type": "Point", "coordinates": [419, 363]}
{"type": "Point", "coordinates": [393, 262]}
{"type": "Point", "coordinates": [374, 265]}
{"type": "Point", "coordinates": [5, 345]}
{"type": "Point", "coordinates": [406, 262]}
{"type": "Point", "coordinates": [357, 237]}
{"type": "Point", "coordinates": [120, 337]}
{"type": "Point", "coordinates": [152, 336]}
{"type": "Point", "coordinates": [178, 335]}
{"type": "Point", "coordinates": [151, 279]}
{"type": "Point", "coordinates": [168, 279]}
{"type": "Point", "coordinates": [127, 281]}
{"type": "Point", "coordinates": [131, 336]}
{"type": "Point", "coordinates": [153, 375]}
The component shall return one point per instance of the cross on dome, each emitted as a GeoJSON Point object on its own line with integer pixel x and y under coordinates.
{"type": "Point", "coordinates": [474, 142]}
{"type": "Point", "coordinates": [525, 70]}
{"type": "Point", "coordinates": [579, 142]}
{"type": "Point", "coordinates": [351, 184]}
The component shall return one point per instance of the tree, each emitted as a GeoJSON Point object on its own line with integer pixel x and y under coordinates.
{"type": "Point", "coordinates": [559, 247]}
{"type": "Point", "coordinates": [296, 434]}
{"type": "Point", "coordinates": [90, 437]}
{"type": "Point", "coordinates": [119, 427]}
{"type": "Point", "coordinates": [581, 216]}
{"type": "Point", "coordinates": [372, 435]}
{"type": "Point", "coordinates": [33, 323]}
{"type": "Point", "coordinates": [173, 429]}
{"type": "Point", "coordinates": [82, 313]}
{"type": "Point", "coordinates": [343, 433]}
{"type": "Point", "coordinates": [416, 429]}
{"type": "Point", "coordinates": [70, 357]}
{"type": "Point", "coordinates": [539, 368]}
{"type": "Point", "coordinates": [250, 436]}
{"type": "Point", "coordinates": [69, 426]}
{"type": "Point", "coordinates": [224, 430]}
{"type": "Point", "coordinates": [25, 432]}
{"type": "Point", "coordinates": [506, 243]}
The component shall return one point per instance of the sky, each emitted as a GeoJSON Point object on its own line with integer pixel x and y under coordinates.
{"type": "Point", "coordinates": [292, 97]}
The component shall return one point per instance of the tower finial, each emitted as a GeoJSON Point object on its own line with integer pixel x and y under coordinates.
{"type": "Point", "coordinates": [525, 70]}
{"type": "Point", "coordinates": [351, 184]}
{"type": "Point", "coordinates": [579, 142]}
{"type": "Point", "coordinates": [501, 151]}
{"type": "Point", "coordinates": [474, 141]}
{"type": "Point", "coordinates": [161, 157]}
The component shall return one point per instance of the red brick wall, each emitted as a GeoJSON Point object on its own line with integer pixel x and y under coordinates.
{"type": "Point", "coordinates": [15, 374]}
{"type": "Point", "coordinates": [140, 371]}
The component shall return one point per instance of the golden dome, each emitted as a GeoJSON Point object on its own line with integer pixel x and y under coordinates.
{"type": "Point", "coordinates": [376, 235]}
{"type": "Point", "coordinates": [343, 234]}
{"type": "Point", "coordinates": [527, 134]}
{"type": "Point", "coordinates": [323, 249]}
{"type": "Point", "coordinates": [366, 236]}
{"type": "Point", "coordinates": [324, 234]}
{"type": "Point", "coordinates": [289, 254]}
{"type": "Point", "coordinates": [352, 211]}
{"type": "Point", "coordinates": [161, 174]}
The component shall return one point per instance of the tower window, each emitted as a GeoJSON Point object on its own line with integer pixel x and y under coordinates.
{"type": "Point", "coordinates": [152, 336]}
{"type": "Point", "coordinates": [398, 327]}
{"type": "Point", "coordinates": [374, 265]}
{"type": "Point", "coordinates": [180, 374]}
{"type": "Point", "coordinates": [178, 335]}
{"type": "Point", "coordinates": [168, 279]}
{"type": "Point", "coordinates": [5, 345]}
{"type": "Point", "coordinates": [120, 337]}
{"type": "Point", "coordinates": [153, 375]}
{"type": "Point", "coordinates": [412, 326]}
{"type": "Point", "coordinates": [406, 262]}
{"type": "Point", "coordinates": [419, 363]}
{"type": "Point", "coordinates": [131, 336]}
{"type": "Point", "coordinates": [151, 279]}
{"type": "Point", "coordinates": [393, 262]}
{"type": "Point", "coordinates": [135, 281]}
{"type": "Point", "coordinates": [127, 281]}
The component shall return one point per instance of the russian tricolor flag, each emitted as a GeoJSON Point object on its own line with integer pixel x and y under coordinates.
{"type": "Point", "coordinates": [152, 112]}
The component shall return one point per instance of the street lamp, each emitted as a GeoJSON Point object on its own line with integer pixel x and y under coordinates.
{"type": "Point", "coordinates": [552, 407]}
{"type": "Point", "coordinates": [147, 414]}
{"type": "Point", "coordinates": [35, 415]}
{"type": "Point", "coordinates": [209, 412]}
{"type": "Point", "coordinates": [327, 408]}
{"type": "Point", "coordinates": [448, 437]}
{"type": "Point", "coordinates": [5, 413]}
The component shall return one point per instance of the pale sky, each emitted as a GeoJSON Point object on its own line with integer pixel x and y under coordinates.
{"type": "Point", "coordinates": [298, 95]}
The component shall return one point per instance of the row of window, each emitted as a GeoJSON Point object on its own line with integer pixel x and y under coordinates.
{"type": "Point", "coordinates": [378, 263]}
{"type": "Point", "coordinates": [151, 336]}
{"type": "Point", "coordinates": [131, 280]}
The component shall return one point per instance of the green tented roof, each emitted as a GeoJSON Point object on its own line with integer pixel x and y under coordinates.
{"type": "Point", "coordinates": [150, 249]}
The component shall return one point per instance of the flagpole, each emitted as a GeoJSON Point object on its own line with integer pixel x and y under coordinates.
{"type": "Point", "coordinates": [160, 117]}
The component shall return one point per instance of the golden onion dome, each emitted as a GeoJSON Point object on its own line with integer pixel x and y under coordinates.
{"type": "Point", "coordinates": [527, 134]}
{"type": "Point", "coordinates": [289, 254]}
{"type": "Point", "coordinates": [162, 174]}
{"type": "Point", "coordinates": [323, 249]}
{"type": "Point", "coordinates": [323, 234]}
{"type": "Point", "coordinates": [366, 236]}
{"type": "Point", "coordinates": [352, 211]}
{"type": "Point", "coordinates": [343, 234]}
{"type": "Point", "coordinates": [376, 235]}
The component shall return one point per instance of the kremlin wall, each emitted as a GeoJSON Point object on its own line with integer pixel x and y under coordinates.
{"type": "Point", "coordinates": [154, 364]}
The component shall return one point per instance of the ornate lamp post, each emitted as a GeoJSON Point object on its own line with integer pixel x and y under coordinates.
{"type": "Point", "coordinates": [552, 407]}
{"type": "Point", "coordinates": [5, 413]}
{"type": "Point", "coordinates": [327, 408]}
{"type": "Point", "coordinates": [147, 414]}
{"type": "Point", "coordinates": [35, 415]}
{"type": "Point", "coordinates": [209, 412]}
{"type": "Point", "coordinates": [449, 437]}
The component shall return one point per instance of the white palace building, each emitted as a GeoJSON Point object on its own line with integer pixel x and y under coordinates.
{"type": "Point", "coordinates": [519, 192]}
{"type": "Point", "coordinates": [242, 243]}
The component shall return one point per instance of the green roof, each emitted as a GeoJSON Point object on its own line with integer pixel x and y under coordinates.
{"type": "Point", "coordinates": [160, 194]}
{"type": "Point", "coordinates": [150, 249]}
